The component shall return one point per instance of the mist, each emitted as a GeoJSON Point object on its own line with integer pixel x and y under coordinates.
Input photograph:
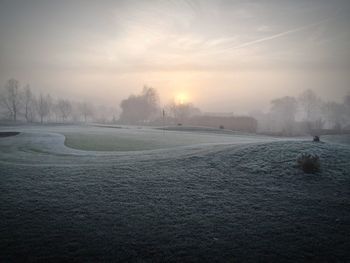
{"type": "Point", "coordinates": [221, 53]}
{"type": "Point", "coordinates": [174, 131]}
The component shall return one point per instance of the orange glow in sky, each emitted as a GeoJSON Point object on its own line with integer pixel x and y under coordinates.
{"type": "Point", "coordinates": [181, 98]}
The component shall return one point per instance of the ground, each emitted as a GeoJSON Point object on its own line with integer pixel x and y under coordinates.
{"type": "Point", "coordinates": [148, 195]}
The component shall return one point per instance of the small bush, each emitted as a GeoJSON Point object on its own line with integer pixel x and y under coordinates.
{"type": "Point", "coordinates": [309, 163]}
{"type": "Point", "coordinates": [316, 138]}
{"type": "Point", "coordinates": [222, 127]}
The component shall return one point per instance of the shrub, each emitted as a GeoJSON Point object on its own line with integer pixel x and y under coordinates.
{"type": "Point", "coordinates": [222, 127]}
{"type": "Point", "coordinates": [309, 163]}
{"type": "Point", "coordinates": [316, 138]}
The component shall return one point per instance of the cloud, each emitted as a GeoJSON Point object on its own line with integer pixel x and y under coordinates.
{"type": "Point", "coordinates": [275, 36]}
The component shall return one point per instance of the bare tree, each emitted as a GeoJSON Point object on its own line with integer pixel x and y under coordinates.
{"type": "Point", "coordinates": [101, 114]}
{"type": "Point", "coordinates": [182, 111]}
{"type": "Point", "coordinates": [347, 101]}
{"type": "Point", "coordinates": [140, 108]}
{"type": "Point", "coordinates": [44, 105]}
{"type": "Point", "coordinates": [11, 98]}
{"type": "Point", "coordinates": [310, 104]}
{"type": "Point", "coordinates": [65, 108]}
{"type": "Point", "coordinates": [347, 108]}
{"type": "Point", "coordinates": [283, 111]}
{"type": "Point", "coordinates": [29, 102]}
{"type": "Point", "coordinates": [55, 111]}
{"type": "Point", "coordinates": [335, 114]}
{"type": "Point", "coordinates": [86, 110]}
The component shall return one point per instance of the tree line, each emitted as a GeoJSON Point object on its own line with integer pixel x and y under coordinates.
{"type": "Point", "coordinates": [288, 115]}
{"type": "Point", "coordinates": [304, 114]}
{"type": "Point", "coordinates": [21, 103]}
{"type": "Point", "coordinates": [145, 108]}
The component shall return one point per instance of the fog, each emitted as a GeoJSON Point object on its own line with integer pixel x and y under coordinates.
{"type": "Point", "coordinates": [174, 130]}
{"type": "Point", "coordinates": [226, 56]}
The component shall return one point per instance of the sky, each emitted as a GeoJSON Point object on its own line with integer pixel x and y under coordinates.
{"type": "Point", "coordinates": [224, 56]}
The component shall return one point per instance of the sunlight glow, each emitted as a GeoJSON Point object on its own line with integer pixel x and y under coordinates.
{"type": "Point", "coordinates": [181, 98]}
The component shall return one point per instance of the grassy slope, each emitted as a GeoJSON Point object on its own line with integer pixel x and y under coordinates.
{"type": "Point", "coordinates": [244, 204]}
{"type": "Point", "coordinates": [341, 139]}
{"type": "Point", "coordinates": [105, 139]}
{"type": "Point", "coordinates": [93, 142]}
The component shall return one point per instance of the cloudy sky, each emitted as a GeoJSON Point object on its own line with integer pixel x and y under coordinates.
{"type": "Point", "coordinates": [223, 55]}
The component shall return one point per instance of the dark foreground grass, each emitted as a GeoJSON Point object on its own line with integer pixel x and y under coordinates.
{"type": "Point", "coordinates": [247, 205]}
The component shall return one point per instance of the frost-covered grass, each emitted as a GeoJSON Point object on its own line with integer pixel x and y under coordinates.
{"type": "Point", "coordinates": [200, 129]}
{"type": "Point", "coordinates": [235, 198]}
{"type": "Point", "coordinates": [139, 139]}
{"type": "Point", "coordinates": [98, 142]}
{"type": "Point", "coordinates": [342, 139]}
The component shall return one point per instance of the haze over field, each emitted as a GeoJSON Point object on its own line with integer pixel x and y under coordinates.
{"type": "Point", "coordinates": [225, 56]}
{"type": "Point", "coordinates": [174, 131]}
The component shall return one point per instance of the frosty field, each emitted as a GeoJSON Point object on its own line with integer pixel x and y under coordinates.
{"type": "Point", "coordinates": [85, 193]}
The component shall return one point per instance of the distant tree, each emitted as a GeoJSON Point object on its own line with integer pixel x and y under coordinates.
{"type": "Point", "coordinates": [140, 108]}
{"type": "Point", "coordinates": [115, 113]}
{"type": "Point", "coordinates": [29, 104]}
{"type": "Point", "coordinates": [347, 101]}
{"type": "Point", "coordinates": [65, 108]}
{"type": "Point", "coordinates": [44, 105]}
{"type": "Point", "coordinates": [101, 114]}
{"type": "Point", "coordinates": [151, 97]}
{"type": "Point", "coordinates": [347, 107]}
{"type": "Point", "coordinates": [182, 111]}
{"type": "Point", "coordinates": [286, 107]}
{"type": "Point", "coordinates": [11, 98]}
{"type": "Point", "coordinates": [86, 110]}
{"type": "Point", "coordinates": [310, 104]}
{"type": "Point", "coordinates": [335, 114]}
{"type": "Point", "coordinates": [284, 111]}
{"type": "Point", "coordinates": [55, 111]}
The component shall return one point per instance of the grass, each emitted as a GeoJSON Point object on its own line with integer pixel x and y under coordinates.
{"type": "Point", "coordinates": [93, 142]}
{"type": "Point", "coordinates": [341, 139]}
{"type": "Point", "coordinates": [239, 204]}
{"type": "Point", "coordinates": [106, 139]}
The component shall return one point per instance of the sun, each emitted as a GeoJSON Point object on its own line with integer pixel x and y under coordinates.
{"type": "Point", "coordinates": [181, 98]}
